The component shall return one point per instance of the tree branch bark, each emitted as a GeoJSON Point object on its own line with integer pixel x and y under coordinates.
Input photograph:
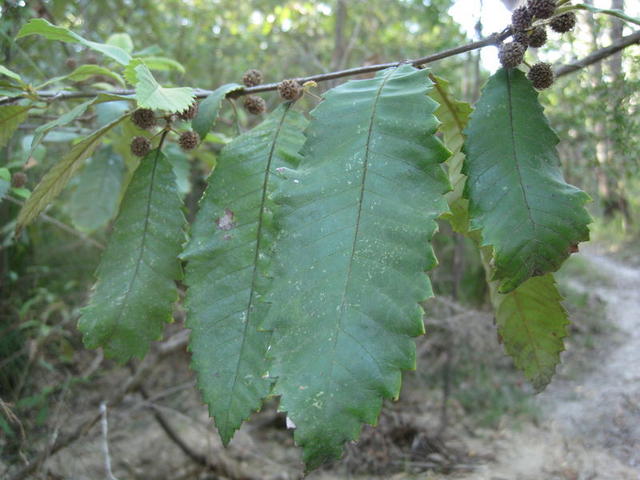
{"type": "Point", "coordinates": [600, 54]}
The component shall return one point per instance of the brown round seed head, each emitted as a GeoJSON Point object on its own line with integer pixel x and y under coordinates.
{"type": "Point", "coordinates": [542, 8]}
{"type": "Point", "coordinates": [290, 89]}
{"type": "Point", "coordinates": [71, 63]}
{"type": "Point", "coordinates": [538, 37]}
{"type": "Point", "coordinates": [140, 146]}
{"type": "Point", "coordinates": [254, 104]}
{"type": "Point", "coordinates": [511, 54]}
{"type": "Point", "coordinates": [252, 77]}
{"type": "Point", "coordinates": [189, 140]}
{"type": "Point", "coordinates": [563, 23]}
{"type": "Point", "coordinates": [18, 179]}
{"type": "Point", "coordinates": [541, 76]}
{"type": "Point", "coordinates": [189, 113]}
{"type": "Point", "coordinates": [144, 118]}
{"type": "Point", "coordinates": [521, 18]}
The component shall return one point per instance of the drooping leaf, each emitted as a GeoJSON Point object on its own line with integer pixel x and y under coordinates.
{"type": "Point", "coordinates": [135, 287]}
{"type": "Point", "coordinates": [454, 115]}
{"type": "Point", "coordinates": [40, 26]}
{"type": "Point", "coordinates": [64, 119]}
{"type": "Point", "coordinates": [356, 219]}
{"type": "Point", "coordinates": [10, 73]}
{"type": "Point", "coordinates": [95, 199]}
{"type": "Point", "coordinates": [55, 179]}
{"type": "Point", "coordinates": [209, 107]}
{"type": "Point", "coordinates": [162, 64]}
{"type": "Point", "coordinates": [227, 269]}
{"type": "Point", "coordinates": [11, 116]}
{"type": "Point", "coordinates": [83, 72]}
{"type": "Point", "coordinates": [532, 323]}
{"type": "Point", "coordinates": [150, 94]}
{"type": "Point", "coordinates": [517, 196]}
{"type": "Point", "coordinates": [5, 181]}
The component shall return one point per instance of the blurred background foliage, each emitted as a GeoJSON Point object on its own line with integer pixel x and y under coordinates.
{"type": "Point", "coordinates": [47, 271]}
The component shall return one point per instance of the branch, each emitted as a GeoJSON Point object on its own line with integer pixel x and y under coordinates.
{"type": "Point", "coordinates": [492, 39]}
{"type": "Point", "coordinates": [599, 55]}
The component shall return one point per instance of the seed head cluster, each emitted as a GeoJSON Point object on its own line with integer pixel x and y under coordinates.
{"type": "Point", "coordinates": [252, 77]}
{"type": "Point", "coordinates": [189, 140]}
{"type": "Point", "coordinates": [511, 54]}
{"type": "Point", "coordinates": [563, 23]}
{"type": "Point", "coordinates": [290, 89]}
{"type": "Point", "coordinates": [254, 104]}
{"type": "Point", "coordinates": [144, 118]}
{"type": "Point", "coordinates": [541, 76]}
{"type": "Point", "coordinates": [521, 18]}
{"type": "Point", "coordinates": [542, 8]}
{"type": "Point", "coordinates": [538, 37]}
{"type": "Point", "coordinates": [140, 146]}
{"type": "Point", "coordinates": [18, 179]}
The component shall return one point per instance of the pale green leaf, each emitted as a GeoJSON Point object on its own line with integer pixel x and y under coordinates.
{"type": "Point", "coordinates": [122, 41]}
{"type": "Point", "coordinates": [227, 269]}
{"type": "Point", "coordinates": [40, 26]}
{"type": "Point", "coordinates": [95, 199]}
{"type": "Point", "coordinates": [150, 94]}
{"type": "Point", "coordinates": [11, 116]}
{"type": "Point", "coordinates": [209, 108]}
{"type": "Point", "coordinates": [64, 119]}
{"type": "Point", "coordinates": [356, 223]}
{"type": "Point", "coordinates": [532, 323]}
{"type": "Point", "coordinates": [11, 74]}
{"type": "Point", "coordinates": [83, 72]}
{"type": "Point", "coordinates": [135, 289]}
{"type": "Point", "coordinates": [55, 179]}
{"type": "Point", "coordinates": [517, 197]}
{"type": "Point", "coordinates": [453, 115]}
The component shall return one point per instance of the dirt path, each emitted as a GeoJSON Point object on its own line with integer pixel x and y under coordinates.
{"type": "Point", "coordinates": [591, 424]}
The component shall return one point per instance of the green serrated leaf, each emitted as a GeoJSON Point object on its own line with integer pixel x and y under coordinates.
{"type": "Point", "coordinates": [356, 220]}
{"type": "Point", "coordinates": [150, 94]}
{"type": "Point", "coordinates": [62, 120]}
{"type": "Point", "coordinates": [136, 288]}
{"type": "Point", "coordinates": [40, 26]}
{"type": "Point", "coordinates": [453, 115]}
{"type": "Point", "coordinates": [228, 258]}
{"type": "Point", "coordinates": [95, 200]}
{"type": "Point", "coordinates": [532, 323]}
{"type": "Point", "coordinates": [55, 179]}
{"type": "Point", "coordinates": [209, 108]}
{"type": "Point", "coordinates": [11, 116]}
{"type": "Point", "coordinates": [517, 196]}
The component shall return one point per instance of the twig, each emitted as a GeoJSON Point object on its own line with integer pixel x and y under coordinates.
{"type": "Point", "coordinates": [492, 39]}
{"type": "Point", "coordinates": [599, 55]}
{"type": "Point", "coordinates": [173, 435]}
{"type": "Point", "coordinates": [61, 226]}
{"type": "Point", "coordinates": [105, 441]}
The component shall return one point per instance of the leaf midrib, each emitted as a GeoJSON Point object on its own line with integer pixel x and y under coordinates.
{"type": "Point", "coordinates": [254, 274]}
{"type": "Point", "coordinates": [363, 179]}
{"type": "Point", "coordinates": [142, 247]}
{"type": "Point", "coordinates": [515, 152]}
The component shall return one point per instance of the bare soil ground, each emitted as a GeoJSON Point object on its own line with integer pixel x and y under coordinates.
{"type": "Point", "coordinates": [588, 426]}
